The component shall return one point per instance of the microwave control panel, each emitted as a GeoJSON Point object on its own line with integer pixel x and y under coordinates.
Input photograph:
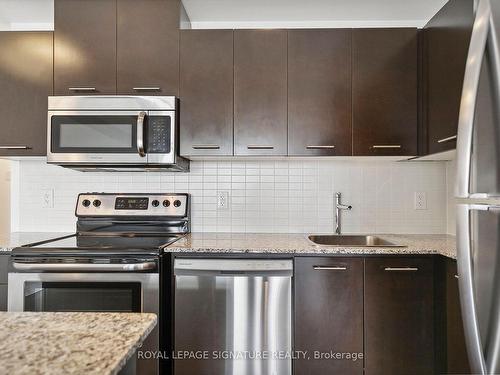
{"type": "Point", "coordinates": [159, 134]}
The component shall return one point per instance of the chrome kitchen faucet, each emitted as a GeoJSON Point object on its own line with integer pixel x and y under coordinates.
{"type": "Point", "coordinates": [338, 207]}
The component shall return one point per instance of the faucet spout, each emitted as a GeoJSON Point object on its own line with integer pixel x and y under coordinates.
{"type": "Point", "coordinates": [339, 207]}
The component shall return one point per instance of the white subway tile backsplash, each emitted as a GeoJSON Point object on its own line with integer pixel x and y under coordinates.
{"type": "Point", "coordinates": [294, 196]}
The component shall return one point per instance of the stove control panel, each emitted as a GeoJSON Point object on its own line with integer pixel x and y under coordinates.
{"type": "Point", "coordinates": [156, 204]}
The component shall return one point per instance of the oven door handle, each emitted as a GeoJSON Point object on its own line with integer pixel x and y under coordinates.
{"type": "Point", "coordinates": [146, 266]}
{"type": "Point", "coordinates": [140, 133]}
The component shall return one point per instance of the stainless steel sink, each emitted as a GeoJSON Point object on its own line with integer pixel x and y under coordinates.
{"type": "Point", "coordinates": [351, 240]}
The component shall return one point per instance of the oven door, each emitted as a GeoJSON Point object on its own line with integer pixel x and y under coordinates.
{"type": "Point", "coordinates": [110, 137]}
{"type": "Point", "coordinates": [90, 292]}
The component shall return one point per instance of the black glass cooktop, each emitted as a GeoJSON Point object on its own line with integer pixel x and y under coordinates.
{"type": "Point", "coordinates": [100, 244]}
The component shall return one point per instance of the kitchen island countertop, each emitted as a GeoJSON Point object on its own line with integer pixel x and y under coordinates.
{"type": "Point", "coordinates": [298, 244]}
{"type": "Point", "coordinates": [70, 343]}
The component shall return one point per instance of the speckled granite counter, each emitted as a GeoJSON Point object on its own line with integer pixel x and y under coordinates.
{"type": "Point", "coordinates": [16, 239]}
{"type": "Point", "coordinates": [70, 343]}
{"type": "Point", "coordinates": [299, 244]}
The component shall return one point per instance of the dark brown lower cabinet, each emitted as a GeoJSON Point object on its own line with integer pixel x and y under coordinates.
{"type": "Point", "coordinates": [398, 315]}
{"type": "Point", "coordinates": [4, 259]}
{"type": "Point", "coordinates": [329, 315]}
{"type": "Point", "coordinates": [456, 351]}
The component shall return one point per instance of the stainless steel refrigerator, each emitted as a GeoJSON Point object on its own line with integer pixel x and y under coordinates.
{"type": "Point", "coordinates": [478, 192]}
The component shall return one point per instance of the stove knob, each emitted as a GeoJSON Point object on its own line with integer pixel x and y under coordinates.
{"type": "Point", "coordinates": [155, 203]}
{"type": "Point", "coordinates": [166, 203]}
{"type": "Point", "coordinates": [177, 203]}
{"type": "Point", "coordinates": [86, 203]}
{"type": "Point", "coordinates": [96, 203]}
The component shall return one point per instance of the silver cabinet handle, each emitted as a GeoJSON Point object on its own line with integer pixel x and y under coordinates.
{"type": "Point", "coordinates": [140, 133]}
{"type": "Point", "coordinates": [82, 89]}
{"type": "Point", "coordinates": [260, 147]}
{"type": "Point", "coordinates": [327, 147]}
{"type": "Point", "coordinates": [146, 266]}
{"type": "Point", "coordinates": [456, 276]}
{"type": "Point", "coordinates": [146, 88]}
{"type": "Point", "coordinates": [330, 268]}
{"type": "Point", "coordinates": [477, 45]}
{"type": "Point", "coordinates": [444, 140]}
{"type": "Point", "coordinates": [206, 147]}
{"type": "Point", "coordinates": [14, 147]}
{"type": "Point", "coordinates": [386, 146]}
{"type": "Point", "coordinates": [407, 269]}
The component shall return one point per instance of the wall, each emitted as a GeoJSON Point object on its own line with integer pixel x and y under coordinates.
{"type": "Point", "coordinates": [4, 197]}
{"type": "Point", "coordinates": [265, 196]}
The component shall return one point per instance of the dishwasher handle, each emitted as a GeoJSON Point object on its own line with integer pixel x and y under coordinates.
{"type": "Point", "coordinates": [233, 267]}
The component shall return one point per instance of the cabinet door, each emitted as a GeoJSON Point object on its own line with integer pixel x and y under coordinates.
{"type": "Point", "coordinates": [260, 92]}
{"type": "Point", "coordinates": [456, 350]}
{"type": "Point", "coordinates": [328, 314]}
{"type": "Point", "coordinates": [399, 336]}
{"type": "Point", "coordinates": [384, 85]}
{"type": "Point", "coordinates": [26, 82]}
{"type": "Point", "coordinates": [148, 47]}
{"type": "Point", "coordinates": [446, 43]}
{"type": "Point", "coordinates": [206, 92]}
{"type": "Point", "coordinates": [319, 92]}
{"type": "Point", "coordinates": [85, 47]}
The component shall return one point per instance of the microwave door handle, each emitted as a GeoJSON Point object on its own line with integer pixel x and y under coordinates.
{"type": "Point", "coordinates": [140, 133]}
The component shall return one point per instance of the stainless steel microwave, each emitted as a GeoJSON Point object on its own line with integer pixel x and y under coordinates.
{"type": "Point", "coordinates": [120, 133]}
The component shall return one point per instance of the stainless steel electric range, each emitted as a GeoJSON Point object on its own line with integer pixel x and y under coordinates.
{"type": "Point", "coordinates": [111, 263]}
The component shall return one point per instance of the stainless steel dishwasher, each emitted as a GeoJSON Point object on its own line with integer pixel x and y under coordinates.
{"type": "Point", "coordinates": [233, 316]}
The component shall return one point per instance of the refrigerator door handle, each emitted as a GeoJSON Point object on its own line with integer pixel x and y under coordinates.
{"type": "Point", "coordinates": [475, 57]}
{"type": "Point", "coordinates": [467, 291]}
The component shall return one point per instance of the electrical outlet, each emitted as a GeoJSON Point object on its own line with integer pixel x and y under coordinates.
{"type": "Point", "coordinates": [47, 198]}
{"type": "Point", "coordinates": [223, 200]}
{"type": "Point", "coordinates": [420, 201]}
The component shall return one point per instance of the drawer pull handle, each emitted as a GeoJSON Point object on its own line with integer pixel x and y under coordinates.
{"type": "Point", "coordinates": [206, 147]}
{"type": "Point", "coordinates": [385, 146]}
{"type": "Point", "coordinates": [14, 147]}
{"type": "Point", "coordinates": [456, 276]}
{"type": "Point", "coordinates": [146, 88]}
{"type": "Point", "coordinates": [452, 138]}
{"type": "Point", "coordinates": [260, 147]}
{"type": "Point", "coordinates": [329, 147]}
{"type": "Point", "coordinates": [406, 269]}
{"type": "Point", "coordinates": [82, 89]}
{"type": "Point", "coordinates": [330, 268]}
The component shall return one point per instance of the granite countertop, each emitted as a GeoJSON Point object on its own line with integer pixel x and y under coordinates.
{"type": "Point", "coordinates": [16, 239]}
{"type": "Point", "coordinates": [299, 244]}
{"type": "Point", "coordinates": [70, 343]}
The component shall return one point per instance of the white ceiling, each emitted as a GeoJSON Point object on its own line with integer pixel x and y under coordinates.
{"type": "Point", "coordinates": [39, 14]}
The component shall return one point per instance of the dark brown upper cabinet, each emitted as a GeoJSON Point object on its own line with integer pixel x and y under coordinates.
{"type": "Point", "coordinates": [445, 45]}
{"type": "Point", "coordinates": [328, 313]}
{"type": "Point", "coordinates": [26, 82]}
{"type": "Point", "coordinates": [206, 92]}
{"type": "Point", "coordinates": [384, 89]}
{"type": "Point", "coordinates": [85, 47]}
{"type": "Point", "coordinates": [399, 313]}
{"type": "Point", "coordinates": [148, 47]}
{"type": "Point", "coordinates": [260, 92]}
{"type": "Point", "coordinates": [319, 92]}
